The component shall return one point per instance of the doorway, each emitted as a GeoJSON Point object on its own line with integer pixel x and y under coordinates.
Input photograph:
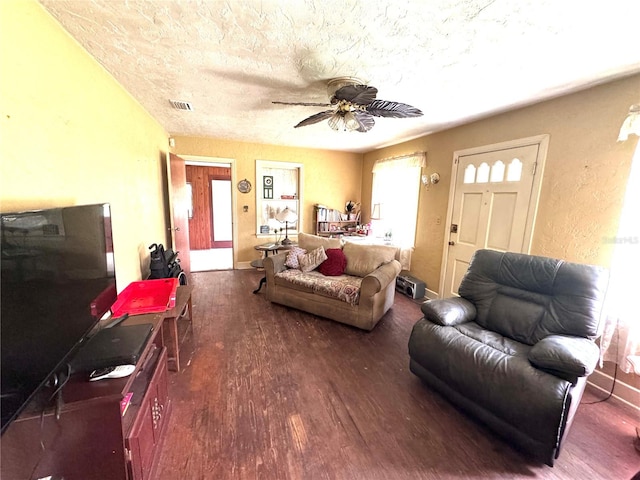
{"type": "Point", "coordinates": [210, 214]}
{"type": "Point", "coordinates": [492, 203]}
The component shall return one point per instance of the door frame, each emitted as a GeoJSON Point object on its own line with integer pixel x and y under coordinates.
{"type": "Point", "coordinates": [178, 225]}
{"type": "Point", "coordinates": [543, 145]}
{"type": "Point", "coordinates": [214, 161]}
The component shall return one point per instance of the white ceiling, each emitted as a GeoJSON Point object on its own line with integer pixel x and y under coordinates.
{"type": "Point", "coordinates": [456, 60]}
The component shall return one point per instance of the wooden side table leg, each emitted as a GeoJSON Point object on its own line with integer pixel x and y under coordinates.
{"type": "Point", "coordinates": [190, 307]}
{"type": "Point", "coordinates": [173, 351]}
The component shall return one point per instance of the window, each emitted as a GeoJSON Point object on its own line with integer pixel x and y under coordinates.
{"type": "Point", "coordinates": [396, 187]}
{"type": "Point", "coordinates": [620, 342]}
{"type": "Point", "coordinates": [277, 187]}
{"type": "Point", "coordinates": [495, 173]}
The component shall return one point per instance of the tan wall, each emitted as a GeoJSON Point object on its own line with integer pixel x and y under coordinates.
{"type": "Point", "coordinates": [330, 178]}
{"type": "Point", "coordinates": [583, 183]}
{"type": "Point", "coordinates": [71, 135]}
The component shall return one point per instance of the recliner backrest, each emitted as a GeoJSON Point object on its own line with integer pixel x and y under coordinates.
{"type": "Point", "coordinates": [527, 297]}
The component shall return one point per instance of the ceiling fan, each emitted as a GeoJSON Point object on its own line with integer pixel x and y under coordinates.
{"type": "Point", "coordinates": [354, 106]}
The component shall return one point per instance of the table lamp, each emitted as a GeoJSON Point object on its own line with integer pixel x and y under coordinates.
{"type": "Point", "coordinates": [286, 216]}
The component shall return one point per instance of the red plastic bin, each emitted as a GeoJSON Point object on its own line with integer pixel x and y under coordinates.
{"type": "Point", "coordinates": [146, 296]}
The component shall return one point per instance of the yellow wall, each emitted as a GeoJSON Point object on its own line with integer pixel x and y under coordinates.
{"type": "Point", "coordinates": [330, 178]}
{"type": "Point", "coordinates": [72, 135]}
{"type": "Point", "coordinates": [583, 183]}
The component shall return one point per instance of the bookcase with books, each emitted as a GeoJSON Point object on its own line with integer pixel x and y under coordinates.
{"type": "Point", "coordinates": [331, 222]}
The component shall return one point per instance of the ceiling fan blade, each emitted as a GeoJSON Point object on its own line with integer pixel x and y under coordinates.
{"type": "Point", "coordinates": [304, 104]}
{"type": "Point", "coordinates": [365, 120]}
{"type": "Point", "coordinates": [359, 94]}
{"type": "Point", "coordinates": [318, 117]}
{"type": "Point", "coordinates": [383, 108]}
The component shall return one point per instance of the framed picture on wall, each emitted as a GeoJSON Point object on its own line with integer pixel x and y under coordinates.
{"type": "Point", "coordinates": [267, 186]}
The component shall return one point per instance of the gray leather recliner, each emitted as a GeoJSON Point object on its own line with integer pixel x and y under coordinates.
{"type": "Point", "coordinates": [515, 349]}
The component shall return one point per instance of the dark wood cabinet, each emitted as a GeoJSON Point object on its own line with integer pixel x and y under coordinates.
{"type": "Point", "coordinates": [144, 439]}
{"type": "Point", "coordinates": [86, 437]}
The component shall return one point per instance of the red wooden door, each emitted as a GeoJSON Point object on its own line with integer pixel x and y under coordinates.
{"type": "Point", "coordinates": [204, 231]}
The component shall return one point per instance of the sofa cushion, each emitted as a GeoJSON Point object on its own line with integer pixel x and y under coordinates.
{"type": "Point", "coordinates": [364, 259]}
{"type": "Point", "coordinates": [292, 257]}
{"type": "Point", "coordinates": [311, 260]}
{"type": "Point", "coordinates": [343, 287]}
{"type": "Point", "coordinates": [335, 263]}
{"type": "Point", "coordinates": [311, 242]}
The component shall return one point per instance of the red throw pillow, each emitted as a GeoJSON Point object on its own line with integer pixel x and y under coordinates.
{"type": "Point", "coordinates": [335, 263]}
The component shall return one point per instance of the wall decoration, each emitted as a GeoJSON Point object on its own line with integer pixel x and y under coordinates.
{"type": "Point", "coordinates": [267, 186]}
{"type": "Point", "coordinates": [244, 186]}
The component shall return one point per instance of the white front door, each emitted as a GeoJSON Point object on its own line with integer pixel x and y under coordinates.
{"type": "Point", "coordinates": [493, 205]}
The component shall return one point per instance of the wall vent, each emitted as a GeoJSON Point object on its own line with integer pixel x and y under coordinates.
{"type": "Point", "coordinates": [177, 104]}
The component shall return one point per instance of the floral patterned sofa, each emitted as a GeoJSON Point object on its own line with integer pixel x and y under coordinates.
{"type": "Point", "coordinates": [348, 283]}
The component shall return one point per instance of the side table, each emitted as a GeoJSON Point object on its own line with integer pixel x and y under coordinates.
{"type": "Point", "coordinates": [182, 309]}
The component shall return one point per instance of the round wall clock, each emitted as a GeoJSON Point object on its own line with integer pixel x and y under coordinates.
{"type": "Point", "coordinates": [244, 186]}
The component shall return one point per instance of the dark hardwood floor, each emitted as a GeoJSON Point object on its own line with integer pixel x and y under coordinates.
{"type": "Point", "coordinates": [273, 393]}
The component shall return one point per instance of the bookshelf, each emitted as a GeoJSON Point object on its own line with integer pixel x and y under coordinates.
{"type": "Point", "coordinates": [331, 222]}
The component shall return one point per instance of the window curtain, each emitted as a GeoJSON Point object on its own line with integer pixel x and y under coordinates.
{"type": "Point", "coordinates": [620, 341]}
{"type": "Point", "coordinates": [396, 187]}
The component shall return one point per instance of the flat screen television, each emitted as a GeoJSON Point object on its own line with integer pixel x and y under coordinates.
{"type": "Point", "coordinates": [54, 263]}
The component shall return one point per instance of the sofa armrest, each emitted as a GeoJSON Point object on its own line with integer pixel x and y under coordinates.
{"type": "Point", "coordinates": [380, 278]}
{"type": "Point", "coordinates": [565, 356]}
{"type": "Point", "coordinates": [449, 311]}
{"type": "Point", "coordinates": [274, 264]}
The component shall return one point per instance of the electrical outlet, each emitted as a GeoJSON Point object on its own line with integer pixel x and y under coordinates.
{"type": "Point", "coordinates": [438, 220]}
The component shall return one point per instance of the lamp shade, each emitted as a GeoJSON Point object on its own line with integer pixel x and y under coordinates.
{"type": "Point", "coordinates": [286, 215]}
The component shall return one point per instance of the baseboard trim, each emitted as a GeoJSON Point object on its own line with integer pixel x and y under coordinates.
{"type": "Point", "coordinates": [431, 295]}
{"type": "Point", "coordinates": [243, 265]}
{"type": "Point", "coordinates": [622, 392]}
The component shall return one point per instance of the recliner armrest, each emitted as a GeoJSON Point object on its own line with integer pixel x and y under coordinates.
{"type": "Point", "coordinates": [565, 356]}
{"type": "Point", "coordinates": [449, 311]}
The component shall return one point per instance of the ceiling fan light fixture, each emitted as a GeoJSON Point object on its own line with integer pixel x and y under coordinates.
{"type": "Point", "coordinates": [354, 106]}
{"type": "Point", "coordinates": [345, 121]}
{"type": "Point", "coordinates": [336, 122]}
{"type": "Point", "coordinates": [351, 122]}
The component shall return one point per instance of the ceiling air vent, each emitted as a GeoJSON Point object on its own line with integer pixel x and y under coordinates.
{"type": "Point", "coordinates": [177, 104]}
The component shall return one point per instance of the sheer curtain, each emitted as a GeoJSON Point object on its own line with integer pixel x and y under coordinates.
{"type": "Point", "coordinates": [620, 342]}
{"type": "Point", "coordinates": [396, 187]}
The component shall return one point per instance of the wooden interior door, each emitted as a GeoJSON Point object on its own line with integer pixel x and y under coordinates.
{"type": "Point", "coordinates": [210, 225]}
{"type": "Point", "coordinates": [179, 210]}
{"type": "Point", "coordinates": [491, 207]}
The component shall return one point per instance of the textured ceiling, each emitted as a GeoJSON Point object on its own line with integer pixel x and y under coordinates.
{"type": "Point", "coordinates": [456, 60]}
